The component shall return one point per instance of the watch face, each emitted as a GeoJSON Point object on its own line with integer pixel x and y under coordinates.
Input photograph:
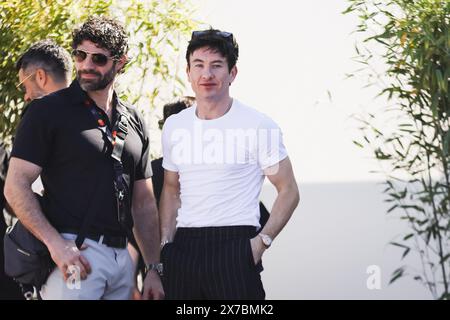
{"type": "Point", "coordinates": [158, 267]}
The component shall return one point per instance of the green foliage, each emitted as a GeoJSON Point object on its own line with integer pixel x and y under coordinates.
{"type": "Point", "coordinates": [157, 30]}
{"type": "Point", "coordinates": [414, 37]}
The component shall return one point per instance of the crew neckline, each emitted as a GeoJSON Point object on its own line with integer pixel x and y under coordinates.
{"type": "Point", "coordinates": [224, 116]}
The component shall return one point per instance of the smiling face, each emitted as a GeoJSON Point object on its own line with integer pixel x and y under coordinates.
{"type": "Point", "coordinates": [91, 76]}
{"type": "Point", "coordinates": [209, 75]}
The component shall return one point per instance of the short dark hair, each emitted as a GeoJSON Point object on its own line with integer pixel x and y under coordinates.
{"type": "Point", "coordinates": [175, 107]}
{"type": "Point", "coordinates": [107, 33]}
{"type": "Point", "coordinates": [214, 39]}
{"type": "Point", "coordinates": [51, 57]}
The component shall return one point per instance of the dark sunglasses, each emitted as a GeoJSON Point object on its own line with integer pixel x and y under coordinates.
{"type": "Point", "coordinates": [223, 34]}
{"type": "Point", "coordinates": [97, 58]}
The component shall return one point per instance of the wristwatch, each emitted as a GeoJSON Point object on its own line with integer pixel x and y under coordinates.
{"type": "Point", "coordinates": [163, 243]}
{"type": "Point", "coordinates": [158, 267]}
{"type": "Point", "coordinates": [267, 240]}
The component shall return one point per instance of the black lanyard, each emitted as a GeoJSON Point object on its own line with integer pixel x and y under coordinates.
{"type": "Point", "coordinates": [117, 139]}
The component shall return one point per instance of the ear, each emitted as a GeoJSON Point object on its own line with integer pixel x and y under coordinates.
{"type": "Point", "coordinates": [120, 64]}
{"type": "Point", "coordinates": [233, 73]}
{"type": "Point", "coordinates": [41, 78]}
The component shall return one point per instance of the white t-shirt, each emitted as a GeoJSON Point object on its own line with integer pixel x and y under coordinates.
{"type": "Point", "coordinates": [220, 163]}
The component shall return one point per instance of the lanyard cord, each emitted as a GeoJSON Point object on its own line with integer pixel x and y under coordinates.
{"type": "Point", "coordinates": [117, 139]}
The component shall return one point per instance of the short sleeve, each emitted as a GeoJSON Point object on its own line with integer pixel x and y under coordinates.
{"type": "Point", "coordinates": [35, 134]}
{"type": "Point", "coordinates": [270, 148]}
{"type": "Point", "coordinates": [144, 168]}
{"type": "Point", "coordinates": [168, 162]}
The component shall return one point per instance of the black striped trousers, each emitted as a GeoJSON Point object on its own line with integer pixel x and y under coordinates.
{"type": "Point", "coordinates": [211, 263]}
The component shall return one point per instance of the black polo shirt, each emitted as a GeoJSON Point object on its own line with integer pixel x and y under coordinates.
{"type": "Point", "coordinates": [59, 133]}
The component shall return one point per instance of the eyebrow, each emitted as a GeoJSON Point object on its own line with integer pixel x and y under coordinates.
{"type": "Point", "coordinates": [214, 61]}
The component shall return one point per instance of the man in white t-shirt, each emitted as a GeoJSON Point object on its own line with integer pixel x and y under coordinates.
{"type": "Point", "coordinates": [216, 156]}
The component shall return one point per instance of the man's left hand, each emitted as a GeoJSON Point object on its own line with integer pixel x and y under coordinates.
{"type": "Point", "coordinates": [258, 249]}
{"type": "Point", "coordinates": [153, 289]}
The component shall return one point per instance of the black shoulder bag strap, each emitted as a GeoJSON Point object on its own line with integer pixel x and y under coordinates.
{"type": "Point", "coordinates": [117, 140]}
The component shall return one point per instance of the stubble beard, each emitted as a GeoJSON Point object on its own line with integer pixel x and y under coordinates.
{"type": "Point", "coordinates": [96, 84]}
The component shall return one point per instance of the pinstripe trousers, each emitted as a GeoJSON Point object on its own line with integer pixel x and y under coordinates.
{"type": "Point", "coordinates": [211, 263]}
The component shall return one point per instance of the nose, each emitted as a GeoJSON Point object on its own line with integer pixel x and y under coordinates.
{"type": "Point", "coordinates": [207, 74]}
{"type": "Point", "coordinates": [87, 63]}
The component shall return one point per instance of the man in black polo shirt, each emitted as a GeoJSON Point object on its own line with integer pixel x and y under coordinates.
{"type": "Point", "coordinates": [44, 68]}
{"type": "Point", "coordinates": [68, 138]}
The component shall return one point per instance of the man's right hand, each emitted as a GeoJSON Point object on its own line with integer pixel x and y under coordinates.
{"type": "Point", "coordinates": [66, 254]}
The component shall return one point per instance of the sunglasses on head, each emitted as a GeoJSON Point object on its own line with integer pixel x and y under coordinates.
{"type": "Point", "coordinates": [97, 58]}
{"type": "Point", "coordinates": [223, 34]}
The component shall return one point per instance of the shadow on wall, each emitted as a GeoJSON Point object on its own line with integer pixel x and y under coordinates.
{"type": "Point", "coordinates": [338, 231]}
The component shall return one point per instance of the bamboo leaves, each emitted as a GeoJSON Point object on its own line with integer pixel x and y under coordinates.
{"type": "Point", "coordinates": [156, 29]}
{"type": "Point", "coordinates": [414, 37]}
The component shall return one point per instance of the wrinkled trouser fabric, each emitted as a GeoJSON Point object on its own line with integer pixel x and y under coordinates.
{"type": "Point", "coordinates": [111, 278]}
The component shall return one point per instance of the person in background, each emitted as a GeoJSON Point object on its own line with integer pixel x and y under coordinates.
{"type": "Point", "coordinates": [44, 68]}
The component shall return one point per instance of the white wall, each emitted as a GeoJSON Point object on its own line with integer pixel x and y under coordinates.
{"type": "Point", "coordinates": [337, 232]}
{"type": "Point", "coordinates": [292, 53]}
